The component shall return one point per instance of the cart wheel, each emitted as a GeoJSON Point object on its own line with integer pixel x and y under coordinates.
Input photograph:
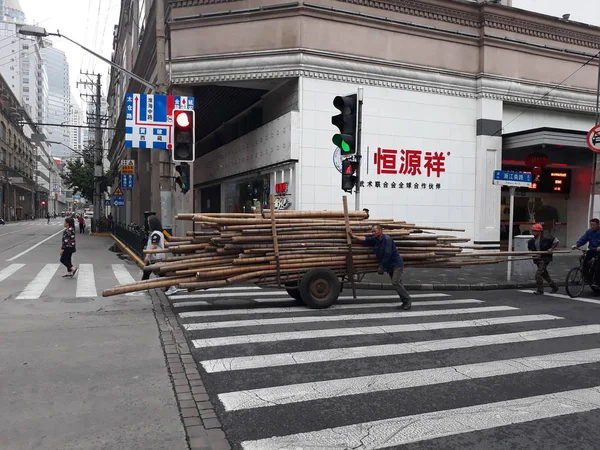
{"type": "Point", "coordinates": [319, 288]}
{"type": "Point", "coordinates": [575, 282]}
{"type": "Point", "coordinates": [295, 294]}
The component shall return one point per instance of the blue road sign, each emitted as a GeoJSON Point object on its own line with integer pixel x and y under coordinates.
{"type": "Point", "coordinates": [516, 179]}
{"type": "Point", "coordinates": [149, 119]}
{"type": "Point", "coordinates": [106, 202]}
{"type": "Point", "coordinates": [118, 201]}
{"type": "Point", "coordinates": [127, 181]}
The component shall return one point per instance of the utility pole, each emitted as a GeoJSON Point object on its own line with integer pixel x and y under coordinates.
{"type": "Point", "coordinates": [161, 168]}
{"type": "Point", "coordinates": [98, 168]}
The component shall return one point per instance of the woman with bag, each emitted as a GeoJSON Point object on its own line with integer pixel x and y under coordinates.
{"type": "Point", "coordinates": [68, 247]}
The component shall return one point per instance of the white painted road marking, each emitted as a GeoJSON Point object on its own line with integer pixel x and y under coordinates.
{"type": "Point", "coordinates": [228, 295]}
{"type": "Point", "coordinates": [34, 246]}
{"type": "Point", "coordinates": [86, 282]}
{"type": "Point", "coordinates": [578, 299]}
{"type": "Point", "coordinates": [10, 270]}
{"type": "Point", "coordinates": [124, 277]}
{"type": "Point", "coordinates": [420, 427]}
{"type": "Point", "coordinates": [341, 318]}
{"type": "Point", "coordinates": [338, 332]}
{"type": "Point", "coordinates": [303, 309]}
{"type": "Point", "coordinates": [37, 286]}
{"type": "Point", "coordinates": [305, 392]}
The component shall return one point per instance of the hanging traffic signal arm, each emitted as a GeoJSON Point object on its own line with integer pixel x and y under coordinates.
{"type": "Point", "coordinates": [184, 136]}
{"type": "Point", "coordinates": [346, 123]}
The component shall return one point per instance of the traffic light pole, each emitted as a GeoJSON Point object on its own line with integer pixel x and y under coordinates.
{"type": "Point", "coordinates": [358, 144]}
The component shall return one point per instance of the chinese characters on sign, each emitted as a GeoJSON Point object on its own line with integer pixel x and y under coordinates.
{"type": "Point", "coordinates": [400, 185]}
{"type": "Point", "coordinates": [410, 162]}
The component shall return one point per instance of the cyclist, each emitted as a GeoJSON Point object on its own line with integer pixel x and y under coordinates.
{"type": "Point", "coordinates": [541, 243]}
{"type": "Point", "coordinates": [592, 238]}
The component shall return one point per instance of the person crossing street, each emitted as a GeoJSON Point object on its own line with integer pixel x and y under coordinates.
{"type": "Point", "coordinates": [389, 260]}
{"type": "Point", "coordinates": [541, 243]}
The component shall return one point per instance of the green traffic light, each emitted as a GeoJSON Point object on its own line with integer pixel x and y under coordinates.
{"type": "Point", "coordinates": [339, 142]}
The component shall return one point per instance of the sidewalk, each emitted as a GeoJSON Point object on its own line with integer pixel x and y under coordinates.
{"type": "Point", "coordinates": [482, 277]}
{"type": "Point", "coordinates": [84, 373]}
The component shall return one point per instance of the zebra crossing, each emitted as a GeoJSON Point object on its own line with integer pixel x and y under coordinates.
{"type": "Point", "coordinates": [34, 281]}
{"type": "Point", "coordinates": [366, 375]}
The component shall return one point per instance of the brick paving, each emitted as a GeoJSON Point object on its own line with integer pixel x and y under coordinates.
{"type": "Point", "coordinates": [203, 428]}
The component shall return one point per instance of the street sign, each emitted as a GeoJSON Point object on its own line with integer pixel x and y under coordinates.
{"type": "Point", "coordinates": [118, 201]}
{"type": "Point", "coordinates": [127, 167]}
{"type": "Point", "coordinates": [117, 192]}
{"type": "Point", "coordinates": [593, 139]}
{"type": "Point", "coordinates": [106, 202]}
{"type": "Point", "coordinates": [149, 119]}
{"type": "Point", "coordinates": [127, 181]}
{"type": "Point", "coordinates": [513, 179]}
{"type": "Point", "coordinates": [77, 197]}
{"type": "Point", "coordinates": [16, 180]}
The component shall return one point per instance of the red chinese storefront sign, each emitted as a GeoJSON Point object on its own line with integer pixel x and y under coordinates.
{"type": "Point", "coordinates": [410, 162]}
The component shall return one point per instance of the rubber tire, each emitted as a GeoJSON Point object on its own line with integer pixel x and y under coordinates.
{"type": "Point", "coordinates": [574, 290]}
{"type": "Point", "coordinates": [319, 288]}
{"type": "Point", "coordinates": [295, 294]}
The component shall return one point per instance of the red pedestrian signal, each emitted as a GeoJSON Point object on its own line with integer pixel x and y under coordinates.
{"type": "Point", "coordinates": [349, 177]}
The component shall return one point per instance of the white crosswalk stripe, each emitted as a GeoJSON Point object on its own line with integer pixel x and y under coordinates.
{"type": "Point", "coordinates": [255, 358]}
{"type": "Point", "coordinates": [86, 283]}
{"type": "Point", "coordinates": [38, 285]}
{"type": "Point", "coordinates": [32, 281]}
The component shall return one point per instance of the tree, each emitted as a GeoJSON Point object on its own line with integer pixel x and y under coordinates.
{"type": "Point", "coordinates": [79, 176]}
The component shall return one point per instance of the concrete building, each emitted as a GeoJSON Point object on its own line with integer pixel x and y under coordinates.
{"type": "Point", "coordinates": [76, 118]}
{"type": "Point", "coordinates": [59, 99]}
{"type": "Point", "coordinates": [17, 159]}
{"type": "Point", "coordinates": [453, 90]}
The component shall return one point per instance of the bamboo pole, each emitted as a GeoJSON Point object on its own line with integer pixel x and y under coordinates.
{"type": "Point", "coordinates": [350, 256]}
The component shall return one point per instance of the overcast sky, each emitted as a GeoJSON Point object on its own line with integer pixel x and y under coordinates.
{"type": "Point", "coordinates": [91, 22]}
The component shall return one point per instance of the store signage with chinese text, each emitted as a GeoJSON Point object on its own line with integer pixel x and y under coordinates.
{"type": "Point", "coordinates": [551, 181]}
{"type": "Point", "coordinates": [407, 168]}
{"type": "Point", "coordinates": [281, 188]}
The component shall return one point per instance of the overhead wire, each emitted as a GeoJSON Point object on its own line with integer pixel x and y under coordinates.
{"type": "Point", "coordinates": [555, 87]}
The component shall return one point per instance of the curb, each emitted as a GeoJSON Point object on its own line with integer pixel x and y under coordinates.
{"type": "Point", "coordinates": [135, 258]}
{"type": "Point", "coordinates": [203, 429]}
{"type": "Point", "coordinates": [449, 287]}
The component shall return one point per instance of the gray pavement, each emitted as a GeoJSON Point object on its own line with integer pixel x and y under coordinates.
{"type": "Point", "coordinates": [470, 370]}
{"type": "Point", "coordinates": [78, 371]}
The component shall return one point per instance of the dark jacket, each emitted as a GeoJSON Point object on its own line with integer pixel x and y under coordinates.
{"type": "Point", "coordinates": [68, 239]}
{"type": "Point", "coordinates": [546, 243]}
{"type": "Point", "coordinates": [591, 238]}
{"type": "Point", "coordinates": [385, 252]}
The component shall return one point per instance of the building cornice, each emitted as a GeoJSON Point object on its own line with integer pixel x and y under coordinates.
{"type": "Point", "coordinates": [292, 63]}
{"type": "Point", "coordinates": [472, 15]}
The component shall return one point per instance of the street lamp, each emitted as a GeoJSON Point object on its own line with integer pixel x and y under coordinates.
{"type": "Point", "coordinates": [32, 30]}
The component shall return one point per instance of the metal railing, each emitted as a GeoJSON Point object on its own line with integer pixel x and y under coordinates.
{"type": "Point", "coordinates": [103, 225]}
{"type": "Point", "coordinates": [133, 236]}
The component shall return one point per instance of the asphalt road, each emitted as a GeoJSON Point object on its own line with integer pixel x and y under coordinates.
{"type": "Point", "coordinates": [468, 370]}
{"type": "Point", "coordinates": [78, 371]}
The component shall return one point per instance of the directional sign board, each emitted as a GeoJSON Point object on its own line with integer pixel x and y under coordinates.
{"type": "Point", "coordinates": [593, 139]}
{"type": "Point", "coordinates": [118, 201]}
{"type": "Point", "coordinates": [127, 181]}
{"type": "Point", "coordinates": [149, 119]}
{"type": "Point", "coordinates": [106, 202]}
{"type": "Point", "coordinates": [515, 179]}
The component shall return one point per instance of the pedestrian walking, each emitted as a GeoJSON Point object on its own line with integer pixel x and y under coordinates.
{"type": "Point", "coordinates": [541, 243]}
{"type": "Point", "coordinates": [48, 218]}
{"type": "Point", "coordinates": [389, 260]}
{"type": "Point", "coordinates": [68, 247]}
{"type": "Point", "coordinates": [81, 224]}
{"type": "Point", "coordinates": [156, 241]}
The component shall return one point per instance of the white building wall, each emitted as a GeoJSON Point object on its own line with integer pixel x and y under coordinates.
{"type": "Point", "coordinates": [393, 120]}
{"type": "Point", "coordinates": [519, 118]}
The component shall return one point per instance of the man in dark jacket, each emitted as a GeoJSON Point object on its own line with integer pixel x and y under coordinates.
{"type": "Point", "coordinates": [592, 238]}
{"type": "Point", "coordinates": [388, 259]}
{"type": "Point", "coordinates": [541, 243]}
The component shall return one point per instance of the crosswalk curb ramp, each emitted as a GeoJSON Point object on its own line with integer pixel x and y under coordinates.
{"type": "Point", "coordinates": [366, 375]}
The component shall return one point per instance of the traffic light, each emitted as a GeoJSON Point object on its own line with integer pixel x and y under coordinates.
{"type": "Point", "coordinates": [183, 180]}
{"type": "Point", "coordinates": [184, 143]}
{"type": "Point", "coordinates": [346, 122]}
{"type": "Point", "coordinates": [43, 202]}
{"type": "Point", "coordinates": [349, 176]}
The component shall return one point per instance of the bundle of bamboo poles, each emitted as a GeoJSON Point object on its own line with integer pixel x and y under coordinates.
{"type": "Point", "coordinates": [279, 246]}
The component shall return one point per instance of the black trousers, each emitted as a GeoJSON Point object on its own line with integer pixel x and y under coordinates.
{"type": "Point", "coordinates": [81, 227]}
{"type": "Point", "coordinates": [66, 258]}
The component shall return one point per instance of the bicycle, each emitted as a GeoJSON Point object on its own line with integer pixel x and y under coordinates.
{"type": "Point", "coordinates": [579, 277]}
